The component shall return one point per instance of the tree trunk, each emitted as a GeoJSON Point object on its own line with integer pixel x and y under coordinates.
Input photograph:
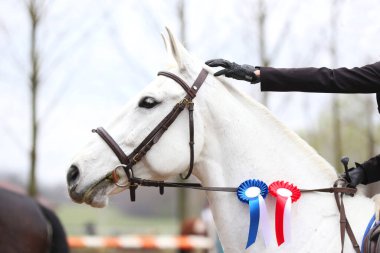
{"type": "Point", "coordinates": [34, 85]}
{"type": "Point", "coordinates": [337, 133]}
{"type": "Point", "coordinates": [336, 119]}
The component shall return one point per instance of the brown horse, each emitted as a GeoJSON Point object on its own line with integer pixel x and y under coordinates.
{"type": "Point", "coordinates": [28, 227]}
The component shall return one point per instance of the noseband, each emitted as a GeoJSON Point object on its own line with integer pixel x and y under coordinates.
{"type": "Point", "coordinates": [128, 161]}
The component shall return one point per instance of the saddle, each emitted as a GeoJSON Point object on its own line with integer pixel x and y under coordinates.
{"type": "Point", "coordinates": [371, 243]}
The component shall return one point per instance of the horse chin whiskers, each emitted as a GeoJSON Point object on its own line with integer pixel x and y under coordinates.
{"type": "Point", "coordinates": [99, 201]}
{"type": "Point", "coordinates": [97, 194]}
{"type": "Point", "coordinates": [117, 190]}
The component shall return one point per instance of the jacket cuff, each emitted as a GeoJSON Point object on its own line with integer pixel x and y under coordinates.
{"type": "Point", "coordinates": [372, 169]}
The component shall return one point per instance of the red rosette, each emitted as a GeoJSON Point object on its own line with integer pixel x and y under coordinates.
{"type": "Point", "coordinates": [273, 188]}
{"type": "Point", "coordinates": [285, 194]}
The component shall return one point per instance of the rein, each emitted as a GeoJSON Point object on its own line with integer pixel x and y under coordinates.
{"type": "Point", "coordinates": [128, 161]}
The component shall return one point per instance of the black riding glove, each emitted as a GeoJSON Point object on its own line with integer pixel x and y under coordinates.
{"type": "Point", "coordinates": [365, 173]}
{"type": "Point", "coordinates": [356, 175]}
{"type": "Point", "coordinates": [234, 70]}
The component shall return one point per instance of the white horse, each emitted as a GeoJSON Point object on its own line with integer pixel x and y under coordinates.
{"type": "Point", "coordinates": [236, 139]}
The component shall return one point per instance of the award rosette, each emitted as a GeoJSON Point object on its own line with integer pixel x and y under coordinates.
{"type": "Point", "coordinates": [285, 194]}
{"type": "Point", "coordinates": [253, 192]}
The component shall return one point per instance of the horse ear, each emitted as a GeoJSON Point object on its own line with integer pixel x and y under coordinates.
{"type": "Point", "coordinates": [174, 48]}
{"type": "Point", "coordinates": [165, 43]}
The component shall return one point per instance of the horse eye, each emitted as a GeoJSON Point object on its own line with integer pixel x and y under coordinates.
{"type": "Point", "coordinates": [148, 102]}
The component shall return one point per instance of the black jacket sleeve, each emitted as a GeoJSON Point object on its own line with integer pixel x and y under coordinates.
{"type": "Point", "coordinates": [342, 80]}
{"type": "Point", "coordinates": [324, 80]}
{"type": "Point", "coordinates": [371, 170]}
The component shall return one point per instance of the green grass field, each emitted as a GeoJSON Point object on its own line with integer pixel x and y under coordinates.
{"type": "Point", "coordinates": [110, 221]}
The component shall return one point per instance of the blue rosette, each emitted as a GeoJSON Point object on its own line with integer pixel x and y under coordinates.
{"type": "Point", "coordinates": [253, 192]}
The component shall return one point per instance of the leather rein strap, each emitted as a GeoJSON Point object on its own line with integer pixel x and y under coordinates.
{"type": "Point", "coordinates": [127, 161]}
{"type": "Point", "coordinates": [344, 224]}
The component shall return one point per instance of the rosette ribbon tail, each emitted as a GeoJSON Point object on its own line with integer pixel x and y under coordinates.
{"type": "Point", "coordinates": [285, 193]}
{"type": "Point", "coordinates": [253, 192]}
{"type": "Point", "coordinates": [254, 213]}
{"type": "Point", "coordinates": [282, 221]}
{"type": "Point", "coordinates": [264, 222]}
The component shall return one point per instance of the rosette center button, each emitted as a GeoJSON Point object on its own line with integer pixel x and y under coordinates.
{"type": "Point", "coordinates": [253, 192]}
{"type": "Point", "coordinates": [284, 192]}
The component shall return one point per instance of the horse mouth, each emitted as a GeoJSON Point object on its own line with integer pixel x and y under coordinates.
{"type": "Point", "coordinates": [97, 194]}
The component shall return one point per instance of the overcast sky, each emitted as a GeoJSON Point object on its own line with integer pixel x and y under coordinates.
{"type": "Point", "coordinates": [98, 54]}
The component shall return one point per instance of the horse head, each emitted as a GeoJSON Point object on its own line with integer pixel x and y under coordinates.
{"type": "Point", "coordinates": [89, 178]}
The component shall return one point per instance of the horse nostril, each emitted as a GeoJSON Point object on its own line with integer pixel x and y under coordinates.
{"type": "Point", "coordinates": [72, 175]}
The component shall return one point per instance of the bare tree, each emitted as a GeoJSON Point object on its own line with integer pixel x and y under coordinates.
{"type": "Point", "coordinates": [36, 10]}
{"type": "Point", "coordinates": [34, 83]}
{"type": "Point", "coordinates": [267, 56]}
{"type": "Point", "coordinates": [336, 118]}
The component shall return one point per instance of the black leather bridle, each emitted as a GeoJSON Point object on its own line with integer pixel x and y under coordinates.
{"type": "Point", "coordinates": [128, 161]}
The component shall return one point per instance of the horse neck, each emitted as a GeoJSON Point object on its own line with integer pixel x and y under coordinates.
{"type": "Point", "coordinates": [243, 140]}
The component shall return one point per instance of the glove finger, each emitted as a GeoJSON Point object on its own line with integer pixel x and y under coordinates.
{"type": "Point", "coordinates": [218, 63]}
{"type": "Point", "coordinates": [214, 63]}
{"type": "Point", "coordinates": [221, 72]}
{"type": "Point", "coordinates": [210, 62]}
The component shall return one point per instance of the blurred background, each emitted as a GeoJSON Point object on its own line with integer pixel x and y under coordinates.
{"type": "Point", "coordinates": [66, 66]}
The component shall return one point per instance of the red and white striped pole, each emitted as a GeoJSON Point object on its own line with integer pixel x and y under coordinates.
{"type": "Point", "coordinates": [141, 242]}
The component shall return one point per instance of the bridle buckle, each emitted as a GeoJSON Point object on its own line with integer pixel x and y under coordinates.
{"type": "Point", "coordinates": [136, 158]}
{"type": "Point", "coordinates": [186, 102]}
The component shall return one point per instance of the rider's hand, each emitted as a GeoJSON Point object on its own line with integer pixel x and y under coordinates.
{"type": "Point", "coordinates": [234, 70]}
{"type": "Point", "coordinates": [365, 173]}
{"type": "Point", "coordinates": [356, 175]}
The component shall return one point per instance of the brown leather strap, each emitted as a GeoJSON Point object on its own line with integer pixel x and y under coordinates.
{"type": "Point", "coordinates": [199, 81]}
{"type": "Point", "coordinates": [181, 82]}
{"type": "Point", "coordinates": [345, 190]}
{"type": "Point", "coordinates": [191, 141]}
{"type": "Point", "coordinates": [195, 87]}
{"type": "Point", "coordinates": [191, 91]}
{"type": "Point", "coordinates": [344, 224]}
{"type": "Point", "coordinates": [123, 158]}
{"type": "Point", "coordinates": [194, 186]}
{"type": "Point", "coordinates": [157, 132]}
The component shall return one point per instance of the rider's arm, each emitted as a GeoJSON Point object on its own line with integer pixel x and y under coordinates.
{"type": "Point", "coordinates": [365, 79]}
{"type": "Point", "coordinates": [371, 170]}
